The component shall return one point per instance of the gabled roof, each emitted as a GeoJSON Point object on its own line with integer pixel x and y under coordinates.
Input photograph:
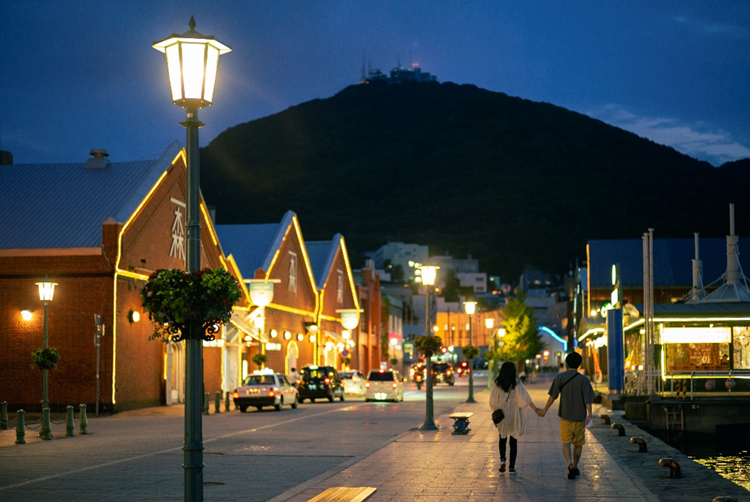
{"type": "Point", "coordinates": [61, 206]}
{"type": "Point", "coordinates": [672, 261]}
{"type": "Point", "coordinates": [254, 246]}
{"type": "Point", "coordinates": [322, 256]}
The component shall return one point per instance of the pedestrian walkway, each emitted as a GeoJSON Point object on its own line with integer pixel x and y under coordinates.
{"type": "Point", "coordinates": [439, 466]}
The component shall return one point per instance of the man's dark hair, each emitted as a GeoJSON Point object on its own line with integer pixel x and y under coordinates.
{"type": "Point", "coordinates": [573, 360]}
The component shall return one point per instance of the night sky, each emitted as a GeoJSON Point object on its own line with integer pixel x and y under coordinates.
{"type": "Point", "coordinates": [77, 75]}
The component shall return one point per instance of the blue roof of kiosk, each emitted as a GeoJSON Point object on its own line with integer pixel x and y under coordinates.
{"type": "Point", "coordinates": [322, 255]}
{"type": "Point", "coordinates": [61, 206]}
{"type": "Point", "coordinates": [673, 266]}
{"type": "Point", "coordinates": [253, 246]}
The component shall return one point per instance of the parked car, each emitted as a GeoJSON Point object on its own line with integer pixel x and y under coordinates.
{"type": "Point", "coordinates": [265, 389]}
{"type": "Point", "coordinates": [384, 385]}
{"type": "Point", "coordinates": [354, 382]}
{"type": "Point", "coordinates": [319, 382]}
{"type": "Point", "coordinates": [443, 373]}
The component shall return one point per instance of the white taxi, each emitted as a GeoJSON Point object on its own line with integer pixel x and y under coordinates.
{"type": "Point", "coordinates": [265, 388]}
{"type": "Point", "coordinates": [384, 385]}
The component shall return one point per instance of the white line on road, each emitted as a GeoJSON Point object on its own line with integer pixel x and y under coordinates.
{"type": "Point", "coordinates": [169, 450]}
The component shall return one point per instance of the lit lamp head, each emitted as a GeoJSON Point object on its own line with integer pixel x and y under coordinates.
{"type": "Point", "coordinates": [349, 318]}
{"type": "Point", "coordinates": [261, 291]}
{"type": "Point", "coordinates": [46, 290]}
{"type": "Point", "coordinates": [489, 323]}
{"type": "Point", "coordinates": [192, 62]}
{"type": "Point", "coordinates": [429, 274]}
{"type": "Point", "coordinates": [470, 307]}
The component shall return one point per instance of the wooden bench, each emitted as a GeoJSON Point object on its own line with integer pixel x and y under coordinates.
{"type": "Point", "coordinates": [461, 422]}
{"type": "Point", "coordinates": [345, 494]}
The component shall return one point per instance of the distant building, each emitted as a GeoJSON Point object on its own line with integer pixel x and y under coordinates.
{"type": "Point", "coordinates": [397, 75]}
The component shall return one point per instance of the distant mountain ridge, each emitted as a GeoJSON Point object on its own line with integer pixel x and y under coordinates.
{"type": "Point", "coordinates": [513, 182]}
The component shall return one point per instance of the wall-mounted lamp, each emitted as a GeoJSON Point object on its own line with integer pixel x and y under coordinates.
{"type": "Point", "coordinates": [312, 338]}
{"type": "Point", "coordinates": [300, 337]}
{"type": "Point", "coordinates": [134, 316]}
{"type": "Point", "coordinates": [287, 335]}
{"type": "Point", "coordinates": [274, 333]}
{"type": "Point", "coordinates": [26, 315]}
{"type": "Point", "coordinates": [311, 327]}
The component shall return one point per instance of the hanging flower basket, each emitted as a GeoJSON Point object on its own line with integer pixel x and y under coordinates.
{"type": "Point", "coordinates": [45, 359]}
{"type": "Point", "coordinates": [428, 345]}
{"type": "Point", "coordinates": [175, 299]}
{"type": "Point", "coordinates": [470, 351]}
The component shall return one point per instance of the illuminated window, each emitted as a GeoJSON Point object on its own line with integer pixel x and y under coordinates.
{"type": "Point", "coordinates": [293, 272]}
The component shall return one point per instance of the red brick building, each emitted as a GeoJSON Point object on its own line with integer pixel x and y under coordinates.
{"type": "Point", "coordinates": [97, 229]}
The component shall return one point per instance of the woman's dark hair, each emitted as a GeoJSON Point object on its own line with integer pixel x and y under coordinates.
{"type": "Point", "coordinates": [506, 379]}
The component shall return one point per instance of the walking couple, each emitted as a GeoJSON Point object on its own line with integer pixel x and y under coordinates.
{"type": "Point", "coordinates": [576, 395]}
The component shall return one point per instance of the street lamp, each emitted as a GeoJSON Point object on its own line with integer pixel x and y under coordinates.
{"type": "Point", "coordinates": [429, 273]}
{"type": "Point", "coordinates": [470, 308]}
{"type": "Point", "coordinates": [192, 62]}
{"type": "Point", "coordinates": [261, 294]}
{"type": "Point", "coordinates": [489, 323]}
{"type": "Point", "coordinates": [349, 320]}
{"type": "Point", "coordinates": [46, 292]}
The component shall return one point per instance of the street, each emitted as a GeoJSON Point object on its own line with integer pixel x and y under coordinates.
{"type": "Point", "coordinates": [137, 455]}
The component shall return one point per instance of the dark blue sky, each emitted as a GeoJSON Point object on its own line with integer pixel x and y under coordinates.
{"type": "Point", "coordinates": [77, 75]}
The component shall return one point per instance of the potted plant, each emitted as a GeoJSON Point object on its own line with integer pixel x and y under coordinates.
{"type": "Point", "coordinates": [45, 359]}
{"type": "Point", "coordinates": [394, 361]}
{"type": "Point", "coordinates": [175, 299]}
{"type": "Point", "coordinates": [260, 360]}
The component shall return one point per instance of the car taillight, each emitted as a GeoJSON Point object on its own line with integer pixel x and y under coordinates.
{"type": "Point", "coordinates": [271, 392]}
{"type": "Point", "coordinates": [395, 385]}
{"type": "Point", "coordinates": [236, 394]}
{"type": "Point", "coordinates": [327, 381]}
{"type": "Point", "coordinates": [367, 384]}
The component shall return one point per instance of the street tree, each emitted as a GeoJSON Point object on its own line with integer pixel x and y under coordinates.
{"type": "Point", "coordinates": [522, 339]}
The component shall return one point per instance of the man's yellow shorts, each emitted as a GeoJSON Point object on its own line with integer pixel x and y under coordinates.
{"type": "Point", "coordinates": [573, 432]}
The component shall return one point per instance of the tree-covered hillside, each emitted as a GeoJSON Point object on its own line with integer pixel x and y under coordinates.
{"type": "Point", "coordinates": [468, 171]}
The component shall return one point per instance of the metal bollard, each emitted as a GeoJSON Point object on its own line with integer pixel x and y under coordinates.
{"type": "Point", "coordinates": [21, 428]}
{"type": "Point", "coordinates": [620, 429]}
{"type": "Point", "coordinates": [82, 422]}
{"type": "Point", "coordinates": [69, 424]}
{"type": "Point", "coordinates": [606, 418]}
{"type": "Point", "coordinates": [217, 402]}
{"type": "Point", "coordinates": [4, 416]}
{"type": "Point", "coordinates": [642, 447]}
{"type": "Point", "coordinates": [206, 398]}
{"type": "Point", "coordinates": [226, 401]}
{"type": "Point", "coordinates": [45, 432]}
{"type": "Point", "coordinates": [674, 468]}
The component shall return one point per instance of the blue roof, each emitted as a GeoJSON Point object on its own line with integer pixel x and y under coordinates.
{"type": "Point", "coordinates": [253, 246]}
{"type": "Point", "coordinates": [322, 255]}
{"type": "Point", "coordinates": [59, 206]}
{"type": "Point", "coordinates": [673, 266]}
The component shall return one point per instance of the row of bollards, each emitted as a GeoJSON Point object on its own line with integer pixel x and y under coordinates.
{"type": "Point", "coordinates": [217, 402]}
{"type": "Point", "coordinates": [69, 423]}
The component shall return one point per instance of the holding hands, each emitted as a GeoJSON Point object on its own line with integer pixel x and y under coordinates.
{"type": "Point", "coordinates": [541, 412]}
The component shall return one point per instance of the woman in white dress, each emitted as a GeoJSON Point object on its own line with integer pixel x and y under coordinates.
{"type": "Point", "coordinates": [509, 395]}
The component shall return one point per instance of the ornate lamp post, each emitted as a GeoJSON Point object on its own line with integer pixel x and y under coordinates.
{"type": "Point", "coordinates": [470, 308]}
{"type": "Point", "coordinates": [261, 294]}
{"type": "Point", "coordinates": [46, 292]}
{"type": "Point", "coordinates": [349, 320]}
{"type": "Point", "coordinates": [489, 323]}
{"type": "Point", "coordinates": [429, 273]}
{"type": "Point", "coordinates": [192, 62]}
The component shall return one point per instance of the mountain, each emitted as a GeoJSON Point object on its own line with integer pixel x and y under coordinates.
{"type": "Point", "coordinates": [512, 182]}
